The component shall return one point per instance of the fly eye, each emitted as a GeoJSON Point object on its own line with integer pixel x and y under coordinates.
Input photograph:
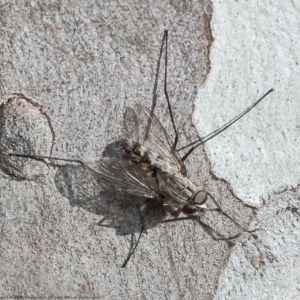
{"type": "Point", "coordinates": [189, 209]}
{"type": "Point", "coordinates": [200, 198]}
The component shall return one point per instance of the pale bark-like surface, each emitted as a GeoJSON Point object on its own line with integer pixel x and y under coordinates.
{"type": "Point", "coordinates": [62, 234]}
{"type": "Point", "coordinates": [256, 48]}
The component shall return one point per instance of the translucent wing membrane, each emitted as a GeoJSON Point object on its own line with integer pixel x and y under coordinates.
{"type": "Point", "coordinates": [143, 127]}
{"type": "Point", "coordinates": [152, 135]}
{"type": "Point", "coordinates": [115, 169]}
{"type": "Point", "coordinates": [120, 174]}
{"type": "Point", "coordinates": [130, 124]}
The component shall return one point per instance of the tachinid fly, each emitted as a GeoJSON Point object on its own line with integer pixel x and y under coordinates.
{"type": "Point", "coordinates": [150, 166]}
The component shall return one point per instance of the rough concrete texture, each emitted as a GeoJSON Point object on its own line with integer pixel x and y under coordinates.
{"type": "Point", "coordinates": [63, 234]}
{"type": "Point", "coordinates": [267, 268]}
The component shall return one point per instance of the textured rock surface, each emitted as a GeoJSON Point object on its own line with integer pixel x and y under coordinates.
{"type": "Point", "coordinates": [62, 234]}
{"type": "Point", "coordinates": [256, 48]}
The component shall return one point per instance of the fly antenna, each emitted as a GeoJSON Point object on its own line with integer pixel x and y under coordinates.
{"type": "Point", "coordinates": [208, 137]}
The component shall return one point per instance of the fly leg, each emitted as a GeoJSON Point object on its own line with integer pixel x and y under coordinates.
{"type": "Point", "coordinates": [206, 228]}
{"type": "Point", "coordinates": [172, 211]}
{"type": "Point", "coordinates": [165, 41]}
{"type": "Point", "coordinates": [230, 218]}
{"type": "Point", "coordinates": [173, 148]}
{"type": "Point", "coordinates": [167, 96]}
{"type": "Point", "coordinates": [142, 210]}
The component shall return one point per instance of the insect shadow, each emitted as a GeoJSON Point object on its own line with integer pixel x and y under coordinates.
{"type": "Point", "coordinates": [119, 210]}
{"type": "Point", "coordinates": [144, 163]}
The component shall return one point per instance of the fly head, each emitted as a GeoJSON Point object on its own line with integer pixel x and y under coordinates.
{"type": "Point", "coordinates": [197, 203]}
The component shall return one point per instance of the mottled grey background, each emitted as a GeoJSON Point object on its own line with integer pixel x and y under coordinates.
{"type": "Point", "coordinates": [62, 235]}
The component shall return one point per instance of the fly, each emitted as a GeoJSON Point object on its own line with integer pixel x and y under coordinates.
{"type": "Point", "coordinates": [151, 167]}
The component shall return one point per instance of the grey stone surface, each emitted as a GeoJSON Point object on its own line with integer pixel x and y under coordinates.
{"type": "Point", "coordinates": [62, 234]}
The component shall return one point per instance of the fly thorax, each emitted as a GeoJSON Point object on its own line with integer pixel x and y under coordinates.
{"type": "Point", "coordinates": [177, 188]}
{"type": "Point", "coordinates": [136, 154]}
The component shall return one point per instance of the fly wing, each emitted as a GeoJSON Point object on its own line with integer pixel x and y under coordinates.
{"type": "Point", "coordinates": [121, 175]}
{"type": "Point", "coordinates": [142, 126]}
{"type": "Point", "coordinates": [153, 135]}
